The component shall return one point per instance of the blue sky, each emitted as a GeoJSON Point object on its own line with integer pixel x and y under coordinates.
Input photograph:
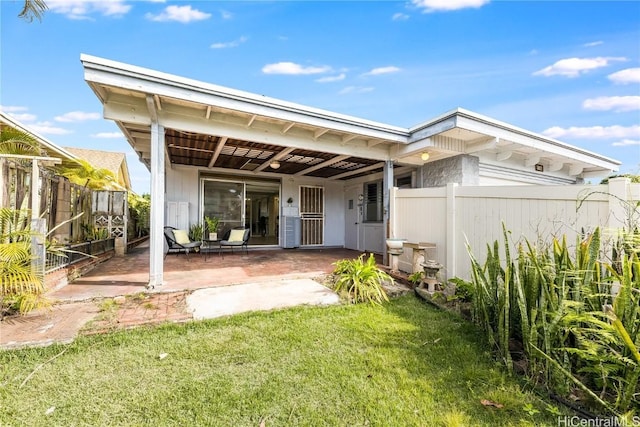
{"type": "Point", "coordinates": [569, 70]}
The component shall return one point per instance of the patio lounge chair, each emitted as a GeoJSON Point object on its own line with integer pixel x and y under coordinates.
{"type": "Point", "coordinates": [178, 241]}
{"type": "Point", "coordinates": [235, 237]}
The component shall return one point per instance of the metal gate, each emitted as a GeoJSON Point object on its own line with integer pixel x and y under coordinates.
{"type": "Point", "coordinates": [312, 215]}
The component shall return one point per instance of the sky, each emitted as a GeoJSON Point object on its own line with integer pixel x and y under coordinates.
{"type": "Point", "coordinates": [569, 70]}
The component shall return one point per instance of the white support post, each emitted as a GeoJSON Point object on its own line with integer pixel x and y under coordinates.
{"type": "Point", "coordinates": [38, 248]}
{"type": "Point", "coordinates": [387, 185]}
{"type": "Point", "coordinates": [450, 256]}
{"type": "Point", "coordinates": [392, 212]}
{"type": "Point", "coordinates": [38, 230]}
{"type": "Point", "coordinates": [156, 255]}
{"type": "Point", "coordinates": [35, 190]}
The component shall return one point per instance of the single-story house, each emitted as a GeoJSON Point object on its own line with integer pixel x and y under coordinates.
{"type": "Point", "coordinates": [299, 176]}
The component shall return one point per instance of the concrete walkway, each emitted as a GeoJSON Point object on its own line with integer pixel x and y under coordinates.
{"type": "Point", "coordinates": [224, 301]}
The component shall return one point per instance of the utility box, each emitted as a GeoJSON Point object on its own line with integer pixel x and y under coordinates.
{"type": "Point", "coordinates": [292, 226]}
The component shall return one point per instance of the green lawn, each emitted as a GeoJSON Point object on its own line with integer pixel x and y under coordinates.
{"type": "Point", "coordinates": [402, 364]}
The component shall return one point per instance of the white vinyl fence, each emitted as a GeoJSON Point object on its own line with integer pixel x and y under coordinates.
{"type": "Point", "coordinates": [454, 215]}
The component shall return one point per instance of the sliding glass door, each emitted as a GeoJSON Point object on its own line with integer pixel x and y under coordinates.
{"type": "Point", "coordinates": [224, 200]}
{"type": "Point", "coordinates": [244, 203]}
{"type": "Point", "coordinates": [263, 212]}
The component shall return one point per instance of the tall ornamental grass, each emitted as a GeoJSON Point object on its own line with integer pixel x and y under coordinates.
{"type": "Point", "coordinates": [569, 321]}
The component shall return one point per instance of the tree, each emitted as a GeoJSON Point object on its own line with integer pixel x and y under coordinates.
{"type": "Point", "coordinates": [33, 9]}
{"type": "Point", "coordinates": [83, 173]}
{"type": "Point", "coordinates": [14, 141]}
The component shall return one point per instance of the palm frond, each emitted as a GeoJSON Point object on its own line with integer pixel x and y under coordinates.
{"type": "Point", "coordinates": [33, 9]}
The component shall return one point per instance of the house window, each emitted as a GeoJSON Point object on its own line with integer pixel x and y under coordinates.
{"type": "Point", "coordinates": [404, 181]}
{"type": "Point", "coordinates": [373, 202]}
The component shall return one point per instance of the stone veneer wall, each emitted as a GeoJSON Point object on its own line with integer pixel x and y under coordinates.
{"type": "Point", "coordinates": [463, 169]}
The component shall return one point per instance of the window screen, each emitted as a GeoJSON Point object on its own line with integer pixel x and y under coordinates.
{"type": "Point", "coordinates": [373, 202]}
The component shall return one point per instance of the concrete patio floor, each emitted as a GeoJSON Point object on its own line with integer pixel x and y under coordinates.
{"type": "Point", "coordinates": [195, 287]}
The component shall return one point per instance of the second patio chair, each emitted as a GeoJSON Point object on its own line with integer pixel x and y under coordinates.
{"type": "Point", "coordinates": [236, 237]}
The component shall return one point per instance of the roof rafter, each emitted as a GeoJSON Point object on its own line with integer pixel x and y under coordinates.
{"type": "Point", "coordinates": [217, 151]}
{"type": "Point", "coordinates": [322, 165]}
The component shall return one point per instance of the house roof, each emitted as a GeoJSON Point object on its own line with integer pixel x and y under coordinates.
{"type": "Point", "coordinates": [51, 149]}
{"type": "Point", "coordinates": [113, 161]}
{"type": "Point", "coordinates": [214, 127]}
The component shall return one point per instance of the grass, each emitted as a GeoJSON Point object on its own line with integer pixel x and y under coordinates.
{"type": "Point", "coordinates": [400, 364]}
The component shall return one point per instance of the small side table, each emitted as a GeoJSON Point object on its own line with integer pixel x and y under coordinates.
{"type": "Point", "coordinates": [208, 245]}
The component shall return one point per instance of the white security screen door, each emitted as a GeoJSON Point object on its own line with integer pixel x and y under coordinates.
{"type": "Point", "coordinates": [352, 218]}
{"type": "Point", "coordinates": [312, 215]}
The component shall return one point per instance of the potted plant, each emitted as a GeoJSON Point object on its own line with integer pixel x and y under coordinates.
{"type": "Point", "coordinates": [212, 226]}
{"type": "Point", "coordinates": [196, 232]}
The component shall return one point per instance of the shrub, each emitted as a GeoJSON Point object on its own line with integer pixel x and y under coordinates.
{"type": "Point", "coordinates": [416, 278]}
{"type": "Point", "coordinates": [361, 280]}
{"type": "Point", "coordinates": [464, 289]}
{"type": "Point", "coordinates": [21, 285]}
{"type": "Point", "coordinates": [196, 231]}
{"type": "Point", "coordinates": [562, 314]}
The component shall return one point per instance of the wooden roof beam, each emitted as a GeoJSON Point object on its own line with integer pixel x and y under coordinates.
{"type": "Point", "coordinates": [286, 128]}
{"type": "Point", "coordinates": [318, 133]}
{"type": "Point", "coordinates": [217, 151]}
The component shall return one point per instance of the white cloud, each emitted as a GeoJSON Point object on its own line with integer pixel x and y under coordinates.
{"type": "Point", "coordinates": [183, 14]}
{"type": "Point", "coordinates": [12, 108]}
{"type": "Point", "coordinates": [382, 70]}
{"type": "Point", "coordinates": [592, 44]}
{"type": "Point", "coordinates": [81, 9]}
{"type": "Point", "coordinates": [77, 116]}
{"type": "Point", "coordinates": [330, 79]}
{"type": "Point", "coordinates": [573, 67]}
{"type": "Point", "coordinates": [293, 69]}
{"type": "Point", "coordinates": [594, 132]}
{"type": "Point", "coordinates": [107, 135]}
{"type": "Point", "coordinates": [47, 128]}
{"type": "Point", "coordinates": [626, 142]}
{"type": "Point", "coordinates": [623, 77]}
{"type": "Point", "coordinates": [615, 103]}
{"type": "Point", "coordinates": [400, 17]}
{"type": "Point", "coordinates": [19, 113]}
{"type": "Point", "coordinates": [226, 15]}
{"type": "Point", "coordinates": [429, 6]}
{"type": "Point", "coordinates": [225, 45]}
{"type": "Point", "coordinates": [24, 117]}
{"type": "Point", "coordinates": [355, 89]}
